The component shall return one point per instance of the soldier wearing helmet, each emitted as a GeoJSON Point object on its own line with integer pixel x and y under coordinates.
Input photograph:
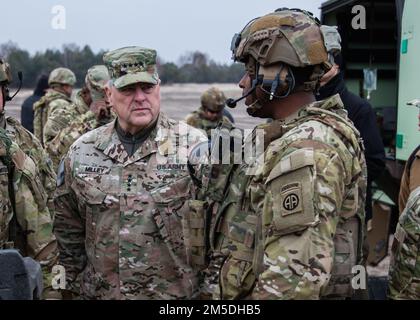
{"type": "Point", "coordinates": [27, 184]}
{"type": "Point", "coordinates": [90, 110]}
{"type": "Point", "coordinates": [90, 97]}
{"type": "Point", "coordinates": [290, 225]}
{"type": "Point", "coordinates": [29, 144]}
{"type": "Point", "coordinates": [210, 114]}
{"type": "Point", "coordinates": [61, 82]}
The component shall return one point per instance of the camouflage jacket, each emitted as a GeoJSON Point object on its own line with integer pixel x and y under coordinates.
{"type": "Point", "coordinates": [290, 224]}
{"type": "Point", "coordinates": [131, 225]}
{"type": "Point", "coordinates": [51, 101]}
{"type": "Point", "coordinates": [60, 118]}
{"type": "Point", "coordinates": [30, 230]}
{"type": "Point", "coordinates": [31, 146]}
{"type": "Point", "coordinates": [82, 124]}
{"type": "Point", "coordinates": [196, 120]}
{"type": "Point", "coordinates": [404, 272]}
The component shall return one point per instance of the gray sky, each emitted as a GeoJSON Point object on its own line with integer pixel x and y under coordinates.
{"type": "Point", "coordinates": [170, 27]}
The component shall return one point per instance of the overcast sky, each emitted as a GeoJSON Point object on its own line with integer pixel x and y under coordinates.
{"type": "Point", "coordinates": [171, 27]}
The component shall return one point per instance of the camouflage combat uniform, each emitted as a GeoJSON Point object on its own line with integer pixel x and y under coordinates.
{"type": "Point", "coordinates": [53, 100]}
{"type": "Point", "coordinates": [404, 272]}
{"type": "Point", "coordinates": [62, 142]}
{"type": "Point", "coordinates": [71, 122]}
{"type": "Point", "coordinates": [59, 119]}
{"type": "Point", "coordinates": [29, 230]}
{"type": "Point", "coordinates": [196, 120]}
{"type": "Point", "coordinates": [214, 100]}
{"type": "Point", "coordinates": [123, 221]}
{"type": "Point", "coordinates": [30, 145]}
{"type": "Point", "coordinates": [292, 230]}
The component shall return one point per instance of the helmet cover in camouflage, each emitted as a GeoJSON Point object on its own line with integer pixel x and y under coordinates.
{"type": "Point", "coordinates": [5, 74]}
{"type": "Point", "coordinates": [285, 36]}
{"type": "Point", "coordinates": [131, 65]}
{"type": "Point", "coordinates": [62, 76]}
{"type": "Point", "coordinates": [96, 79]}
{"type": "Point", "coordinates": [213, 99]}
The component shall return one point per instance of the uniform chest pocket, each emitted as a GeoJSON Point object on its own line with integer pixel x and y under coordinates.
{"type": "Point", "coordinates": [171, 202]}
{"type": "Point", "coordinates": [93, 206]}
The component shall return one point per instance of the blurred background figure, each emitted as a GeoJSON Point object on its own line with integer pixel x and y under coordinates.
{"type": "Point", "coordinates": [211, 112]}
{"type": "Point", "coordinates": [363, 116]}
{"type": "Point", "coordinates": [27, 112]}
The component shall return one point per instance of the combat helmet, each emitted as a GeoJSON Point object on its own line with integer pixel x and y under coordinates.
{"type": "Point", "coordinates": [273, 45]}
{"type": "Point", "coordinates": [5, 74]}
{"type": "Point", "coordinates": [62, 76]}
{"type": "Point", "coordinates": [213, 99]}
{"type": "Point", "coordinates": [96, 79]}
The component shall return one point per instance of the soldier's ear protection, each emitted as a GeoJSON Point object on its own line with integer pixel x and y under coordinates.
{"type": "Point", "coordinates": [7, 95]}
{"type": "Point", "coordinates": [283, 83]}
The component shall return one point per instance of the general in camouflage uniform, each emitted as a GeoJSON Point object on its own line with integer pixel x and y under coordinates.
{"type": "Point", "coordinates": [128, 224]}
{"type": "Point", "coordinates": [61, 82]}
{"type": "Point", "coordinates": [25, 219]}
{"type": "Point", "coordinates": [291, 223]}
{"type": "Point", "coordinates": [210, 115]}
{"type": "Point", "coordinates": [89, 111]}
{"type": "Point", "coordinates": [404, 283]}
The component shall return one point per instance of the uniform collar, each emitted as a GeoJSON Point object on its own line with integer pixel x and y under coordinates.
{"type": "Point", "coordinates": [157, 141]}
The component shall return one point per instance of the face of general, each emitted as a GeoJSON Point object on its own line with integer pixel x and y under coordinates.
{"type": "Point", "coordinates": [136, 105]}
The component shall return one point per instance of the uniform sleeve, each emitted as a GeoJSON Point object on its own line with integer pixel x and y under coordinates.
{"type": "Point", "coordinates": [69, 227]}
{"type": "Point", "coordinates": [299, 210]}
{"type": "Point", "coordinates": [33, 214]}
{"type": "Point", "coordinates": [58, 118]}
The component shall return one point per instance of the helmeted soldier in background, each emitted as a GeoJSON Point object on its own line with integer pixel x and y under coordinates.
{"type": "Point", "coordinates": [89, 111]}
{"type": "Point", "coordinates": [210, 114]}
{"type": "Point", "coordinates": [61, 82]}
{"type": "Point", "coordinates": [290, 225]}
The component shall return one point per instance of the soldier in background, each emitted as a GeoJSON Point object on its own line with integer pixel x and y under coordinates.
{"type": "Point", "coordinates": [404, 275]}
{"type": "Point", "coordinates": [25, 219]}
{"type": "Point", "coordinates": [210, 115]}
{"type": "Point", "coordinates": [361, 113]}
{"type": "Point", "coordinates": [128, 223]}
{"type": "Point", "coordinates": [291, 225]}
{"type": "Point", "coordinates": [27, 111]}
{"type": "Point", "coordinates": [89, 111]}
{"type": "Point", "coordinates": [61, 82]}
{"type": "Point", "coordinates": [31, 146]}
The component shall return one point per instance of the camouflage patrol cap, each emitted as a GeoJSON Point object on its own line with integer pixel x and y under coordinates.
{"type": "Point", "coordinates": [131, 65]}
{"type": "Point", "coordinates": [62, 76]}
{"type": "Point", "coordinates": [96, 79]}
{"type": "Point", "coordinates": [5, 74]}
{"type": "Point", "coordinates": [289, 36]}
{"type": "Point", "coordinates": [213, 99]}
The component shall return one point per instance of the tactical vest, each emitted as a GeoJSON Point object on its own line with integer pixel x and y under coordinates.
{"type": "Point", "coordinates": [6, 209]}
{"type": "Point", "coordinates": [242, 226]}
{"type": "Point", "coordinates": [41, 112]}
